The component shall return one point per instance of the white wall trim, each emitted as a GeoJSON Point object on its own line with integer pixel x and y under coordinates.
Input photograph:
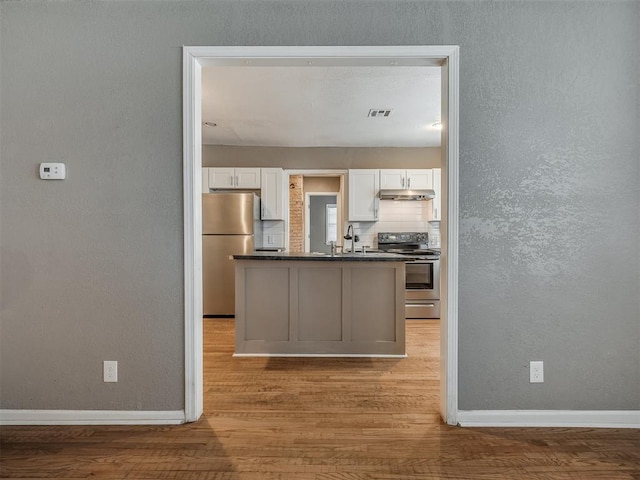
{"type": "Point", "coordinates": [550, 418]}
{"type": "Point", "coordinates": [194, 58]}
{"type": "Point", "coordinates": [192, 185]}
{"type": "Point", "coordinates": [91, 417]}
{"type": "Point", "coordinates": [449, 328]}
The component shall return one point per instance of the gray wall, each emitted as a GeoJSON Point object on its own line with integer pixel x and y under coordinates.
{"type": "Point", "coordinates": [92, 267]}
{"type": "Point", "coordinates": [320, 157]}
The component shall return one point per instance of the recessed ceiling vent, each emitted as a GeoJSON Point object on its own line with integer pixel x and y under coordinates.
{"type": "Point", "coordinates": [374, 112]}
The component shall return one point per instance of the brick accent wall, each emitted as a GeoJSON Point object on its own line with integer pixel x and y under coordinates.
{"type": "Point", "coordinates": [296, 218]}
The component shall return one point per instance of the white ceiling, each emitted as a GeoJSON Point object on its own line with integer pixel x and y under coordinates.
{"type": "Point", "coordinates": [316, 106]}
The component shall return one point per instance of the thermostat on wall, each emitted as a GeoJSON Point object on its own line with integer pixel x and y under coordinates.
{"type": "Point", "coordinates": [53, 171]}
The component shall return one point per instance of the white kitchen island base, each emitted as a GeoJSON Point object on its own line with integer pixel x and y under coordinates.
{"type": "Point", "coordinates": [286, 306]}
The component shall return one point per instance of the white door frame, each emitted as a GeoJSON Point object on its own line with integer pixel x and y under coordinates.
{"type": "Point", "coordinates": [307, 220]}
{"type": "Point", "coordinates": [194, 58]}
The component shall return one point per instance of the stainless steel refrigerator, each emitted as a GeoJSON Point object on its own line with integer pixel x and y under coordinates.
{"type": "Point", "coordinates": [230, 225]}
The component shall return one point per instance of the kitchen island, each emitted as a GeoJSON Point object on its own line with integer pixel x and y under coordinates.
{"type": "Point", "coordinates": [305, 304]}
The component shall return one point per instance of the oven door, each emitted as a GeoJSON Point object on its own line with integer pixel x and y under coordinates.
{"type": "Point", "coordinates": [422, 290]}
{"type": "Point", "coordinates": [424, 276]}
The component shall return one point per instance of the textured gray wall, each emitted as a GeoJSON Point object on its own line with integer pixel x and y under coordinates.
{"type": "Point", "coordinates": [549, 208]}
{"type": "Point", "coordinates": [549, 256]}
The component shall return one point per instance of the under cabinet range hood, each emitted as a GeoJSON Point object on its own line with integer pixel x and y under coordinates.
{"type": "Point", "coordinates": [407, 194]}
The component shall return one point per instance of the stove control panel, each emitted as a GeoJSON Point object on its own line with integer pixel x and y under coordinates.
{"type": "Point", "coordinates": [403, 237]}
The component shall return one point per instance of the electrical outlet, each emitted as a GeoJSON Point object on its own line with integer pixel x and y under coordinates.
{"type": "Point", "coordinates": [110, 371]}
{"type": "Point", "coordinates": [536, 372]}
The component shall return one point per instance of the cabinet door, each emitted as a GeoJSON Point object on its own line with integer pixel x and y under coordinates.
{"type": "Point", "coordinates": [247, 178]}
{"type": "Point", "coordinates": [419, 179]}
{"type": "Point", "coordinates": [436, 203]}
{"type": "Point", "coordinates": [392, 179]}
{"type": "Point", "coordinates": [363, 195]}
{"type": "Point", "coordinates": [221, 177]}
{"type": "Point", "coordinates": [205, 180]}
{"type": "Point", "coordinates": [272, 193]}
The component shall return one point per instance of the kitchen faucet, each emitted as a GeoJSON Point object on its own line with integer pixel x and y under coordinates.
{"type": "Point", "coordinates": [351, 236]}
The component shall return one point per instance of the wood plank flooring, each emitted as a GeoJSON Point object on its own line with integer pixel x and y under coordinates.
{"type": "Point", "coordinates": [319, 419]}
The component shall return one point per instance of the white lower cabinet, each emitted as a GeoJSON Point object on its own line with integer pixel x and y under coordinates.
{"type": "Point", "coordinates": [364, 185]}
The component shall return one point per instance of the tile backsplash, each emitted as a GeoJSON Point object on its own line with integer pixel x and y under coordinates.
{"type": "Point", "coordinates": [272, 233]}
{"type": "Point", "coordinates": [395, 216]}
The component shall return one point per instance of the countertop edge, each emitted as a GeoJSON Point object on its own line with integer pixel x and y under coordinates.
{"type": "Point", "coordinates": [284, 256]}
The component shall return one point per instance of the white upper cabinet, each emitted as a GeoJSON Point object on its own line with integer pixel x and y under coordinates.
{"type": "Point", "coordinates": [417, 179]}
{"type": "Point", "coordinates": [420, 179]}
{"type": "Point", "coordinates": [205, 180]}
{"type": "Point", "coordinates": [363, 195]}
{"type": "Point", "coordinates": [227, 177]}
{"type": "Point", "coordinates": [392, 179]}
{"type": "Point", "coordinates": [436, 203]}
{"type": "Point", "coordinates": [221, 177]}
{"type": "Point", "coordinates": [247, 178]}
{"type": "Point", "coordinates": [272, 194]}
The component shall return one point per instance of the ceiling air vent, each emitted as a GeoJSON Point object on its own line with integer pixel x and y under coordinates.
{"type": "Point", "coordinates": [374, 112]}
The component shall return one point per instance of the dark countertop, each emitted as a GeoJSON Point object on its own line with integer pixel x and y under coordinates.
{"type": "Point", "coordinates": [323, 257]}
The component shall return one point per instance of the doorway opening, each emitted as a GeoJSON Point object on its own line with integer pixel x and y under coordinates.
{"type": "Point", "coordinates": [194, 59]}
{"type": "Point", "coordinates": [320, 221]}
{"type": "Point", "coordinates": [307, 187]}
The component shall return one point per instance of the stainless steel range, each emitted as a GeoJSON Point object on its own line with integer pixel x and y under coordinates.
{"type": "Point", "coordinates": [422, 285]}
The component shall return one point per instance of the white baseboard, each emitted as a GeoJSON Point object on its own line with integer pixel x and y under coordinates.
{"type": "Point", "coordinates": [550, 418]}
{"type": "Point", "coordinates": [466, 418]}
{"type": "Point", "coordinates": [91, 417]}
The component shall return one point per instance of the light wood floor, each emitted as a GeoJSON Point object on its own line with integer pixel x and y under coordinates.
{"type": "Point", "coordinates": [319, 419]}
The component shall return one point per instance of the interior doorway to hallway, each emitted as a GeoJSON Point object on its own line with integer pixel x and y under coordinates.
{"type": "Point", "coordinates": [311, 227]}
{"type": "Point", "coordinates": [321, 221]}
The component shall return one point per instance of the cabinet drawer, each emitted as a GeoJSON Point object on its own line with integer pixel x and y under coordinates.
{"type": "Point", "coordinates": [424, 309]}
